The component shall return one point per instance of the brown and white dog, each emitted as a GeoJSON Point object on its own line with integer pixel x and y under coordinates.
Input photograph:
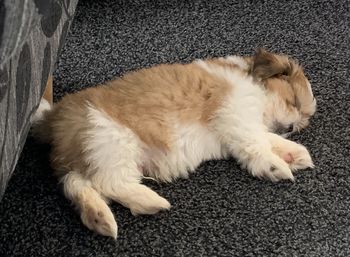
{"type": "Point", "coordinates": [162, 122]}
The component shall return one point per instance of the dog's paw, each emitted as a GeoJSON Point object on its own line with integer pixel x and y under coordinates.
{"type": "Point", "coordinates": [99, 218]}
{"type": "Point", "coordinates": [271, 167]}
{"type": "Point", "coordinates": [298, 158]}
{"type": "Point", "coordinates": [296, 155]}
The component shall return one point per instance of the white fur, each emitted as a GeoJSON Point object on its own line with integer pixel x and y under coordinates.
{"type": "Point", "coordinates": [237, 60]}
{"type": "Point", "coordinates": [193, 144]}
{"type": "Point", "coordinates": [39, 114]}
{"type": "Point", "coordinates": [111, 149]}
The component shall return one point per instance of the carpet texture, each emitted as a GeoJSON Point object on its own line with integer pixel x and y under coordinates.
{"type": "Point", "coordinates": [220, 210]}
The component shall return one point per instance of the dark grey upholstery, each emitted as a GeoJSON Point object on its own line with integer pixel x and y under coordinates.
{"type": "Point", "coordinates": [31, 35]}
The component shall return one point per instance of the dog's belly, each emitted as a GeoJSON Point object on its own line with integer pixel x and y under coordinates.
{"type": "Point", "coordinates": [193, 144]}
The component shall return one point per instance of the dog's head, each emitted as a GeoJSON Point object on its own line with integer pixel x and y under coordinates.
{"type": "Point", "coordinates": [290, 101]}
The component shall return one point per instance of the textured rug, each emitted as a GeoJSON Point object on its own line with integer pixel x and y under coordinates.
{"type": "Point", "coordinates": [220, 210]}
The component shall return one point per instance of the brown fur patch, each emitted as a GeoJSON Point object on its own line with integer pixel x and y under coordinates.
{"type": "Point", "coordinates": [266, 65]}
{"type": "Point", "coordinates": [147, 101]}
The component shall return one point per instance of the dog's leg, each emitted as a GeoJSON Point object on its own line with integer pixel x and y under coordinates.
{"type": "Point", "coordinates": [296, 155]}
{"type": "Point", "coordinates": [139, 198]}
{"type": "Point", "coordinates": [115, 152]}
{"type": "Point", "coordinates": [94, 211]}
{"type": "Point", "coordinates": [122, 184]}
{"type": "Point", "coordinates": [257, 156]}
{"type": "Point", "coordinates": [253, 150]}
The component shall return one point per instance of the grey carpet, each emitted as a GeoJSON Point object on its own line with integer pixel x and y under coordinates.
{"type": "Point", "coordinates": [220, 210]}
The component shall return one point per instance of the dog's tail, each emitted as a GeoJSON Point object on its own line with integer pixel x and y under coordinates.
{"type": "Point", "coordinates": [41, 128]}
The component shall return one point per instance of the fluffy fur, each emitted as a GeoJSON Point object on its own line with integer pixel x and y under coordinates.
{"type": "Point", "coordinates": [164, 121]}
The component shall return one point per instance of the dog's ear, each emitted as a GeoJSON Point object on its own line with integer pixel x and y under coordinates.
{"type": "Point", "coordinates": [266, 65]}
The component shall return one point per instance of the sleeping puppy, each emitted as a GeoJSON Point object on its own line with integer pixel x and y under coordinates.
{"type": "Point", "coordinates": [162, 122]}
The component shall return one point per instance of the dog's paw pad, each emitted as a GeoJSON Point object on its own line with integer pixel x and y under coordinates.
{"type": "Point", "coordinates": [288, 158]}
{"type": "Point", "coordinates": [301, 159]}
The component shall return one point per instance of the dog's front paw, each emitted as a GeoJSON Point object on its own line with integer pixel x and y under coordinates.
{"type": "Point", "coordinates": [298, 158]}
{"type": "Point", "coordinates": [271, 167]}
{"type": "Point", "coordinates": [296, 155]}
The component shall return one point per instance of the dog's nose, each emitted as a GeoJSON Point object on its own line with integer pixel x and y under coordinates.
{"type": "Point", "coordinates": [290, 129]}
